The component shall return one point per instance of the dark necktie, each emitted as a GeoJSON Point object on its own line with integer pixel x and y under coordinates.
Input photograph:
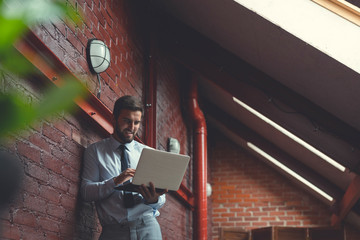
{"type": "Point", "coordinates": [124, 158]}
{"type": "Point", "coordinates": [128, 196]}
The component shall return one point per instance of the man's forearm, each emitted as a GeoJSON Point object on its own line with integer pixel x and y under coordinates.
{"type": "Point", "coordinates": [95, 191]}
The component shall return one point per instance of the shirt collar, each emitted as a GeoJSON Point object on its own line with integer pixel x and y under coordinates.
{"type": "Point", "coordinates": [115, 144]}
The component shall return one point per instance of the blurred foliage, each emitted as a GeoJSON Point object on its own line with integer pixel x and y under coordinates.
{"type": "Point", "coordinates": [16, 17]}
{"type": "Point", "coordinates": [18, 113]}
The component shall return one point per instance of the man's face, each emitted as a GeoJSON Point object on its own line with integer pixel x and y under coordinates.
{"type": "Point", "coordinates": [127, 125]}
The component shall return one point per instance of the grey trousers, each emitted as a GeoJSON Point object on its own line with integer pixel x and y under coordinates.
{"type": "Point", "coordinates": [146, 228]}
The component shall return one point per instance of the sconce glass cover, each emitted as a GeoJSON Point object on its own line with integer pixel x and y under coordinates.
{"type": "Point", "coordinates": [99, 55]}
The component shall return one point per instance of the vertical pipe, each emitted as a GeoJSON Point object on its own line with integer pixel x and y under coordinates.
{"type": "Point", "coordinates": [150, 81]}
{"type": "Point", "coordinates": [200, 160]}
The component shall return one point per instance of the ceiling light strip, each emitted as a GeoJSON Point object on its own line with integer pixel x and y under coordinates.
{"type": "Point", "coordinates": [342, 8]}
{"type": "Point", "coordinates": [290, 135]}
{"type": "Point", "coordinates": [289, 171]}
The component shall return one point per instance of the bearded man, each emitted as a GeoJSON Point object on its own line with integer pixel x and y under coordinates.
{"type": "Point", "coordinates": [112, 162]}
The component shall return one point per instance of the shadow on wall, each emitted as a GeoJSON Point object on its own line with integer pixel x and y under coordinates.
{"type": "Point", "coordinates": [87, 226]}
{"type": "Point", "coordinates": [11, 175]}
{"type": "Point", "coordinates": [86, 221]}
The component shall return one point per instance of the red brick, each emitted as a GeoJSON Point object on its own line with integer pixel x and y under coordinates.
{"type": "Point", "coordinates": [107, 17]}
{"type": "Point", "coordinates": [96, 10]}
{"type": "Point", "coordinates": [60, 26]}
{"type": "Point", "coordinates": [49, 193]}
{"type": "Point", "coordinates": [220, 219]}
{"type": "Point", "coordinates": [68, 202]}
{"type": "Point", "coordinates": [277, 223]}
{"type": "Point", "coordinates": [51, 235]}
{"type": "Point", "coordinates": [30, 185]}
{"type": "Point", "coordinates": [260, 224]}
{"type": "Point", "coordinates": [52, 133]}
{"type": "Point", "coordinates": [89, 3]}
{"type": "Point", "coordinates": [73, 147]}
{"type": "Point", "coordinates": [74, 40]}
{"type": "Point", "coordinates": [274, 202]}
{"type": "Point", "coordinates": [52, 163]}
{"type": "Point", "coordinates": [293, 223]}
{"type": "Point", "coordinates": [268, 219]}
{"type": "Point", "coordinates": [63, 127]}
{"type": "Point", "coordinates": [29, 152]}
{"type": "Point", "coordinates": [73, 189]}
{"type": "Point", "coordinates": [37, 172]}
{"type": "Point", "coordinates": [111, 16]}
{"type": "Point", "coordinates": [81, 35]}
{"type": "Point", "coordinates": [243, 214]}
{"type": "Point", "coordinates": [258, 214]}
{"type": "Point", "coordinates": [56, 211]}
{"type": "Point", "coordinates": [83, 68]}
{"type": "Point", "coordinates": [59, 182]}
{"type": "Point", "coordinates": [286, 218]}
{"type": "Point", "coordinates": [277, 213]}
{"type": "Point", "coordinates": [39, 141]}
{"type": "Point", "coordinates": [71, 64]}
{"type": "Point", "coordinates": [9, 230]}
{"type": "Point", "coordinates": [49, 224]}
{"type": "Point", "coordinates": [104, 35]}
{"type": "Point", "coordinates": [243, 224]}
{"type": "Point", "coordinates": [76, 136]}
{"type": "Point", "coordinates": [66, 157]}
{"type": "Point", "coordinates": [227, 224]}
{"type": "Point", "coordinates": [35, 203]}
{"type": "Point", "coordinates": [22, 217]}
{"type": "Point", "coordinates": [88, 16]}
{"type": "Point", "coordinates": [251, 219]}
{"type": "Point", "coordinates": [70, 173]}
{"type": "Point", "coordinates": [227, 215]}
{"type": "Point", "coordinates": [221, 210]}
{"type": "Point", "coordinates": [29, 233]}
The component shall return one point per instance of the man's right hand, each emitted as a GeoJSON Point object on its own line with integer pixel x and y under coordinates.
{"type": "Point", "coordinates": [124, 176]}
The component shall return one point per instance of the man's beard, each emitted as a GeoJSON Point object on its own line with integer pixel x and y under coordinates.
{"type": "Point", "coordinates": [121, 135]}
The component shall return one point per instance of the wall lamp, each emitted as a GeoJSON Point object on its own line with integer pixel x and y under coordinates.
{"type": "Point", "coordinates": [173, 145]}
{"type": "Point", "coordinates": [98, 58]}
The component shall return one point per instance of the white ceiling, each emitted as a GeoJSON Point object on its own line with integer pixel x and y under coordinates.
{"type": "Point", "coordinates": [302, 63]}
{"type": "Point", "coordinates": [288, 59]}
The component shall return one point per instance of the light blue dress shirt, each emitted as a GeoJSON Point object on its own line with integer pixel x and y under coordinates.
{"type": "Point", "coordinates": [102, 162]}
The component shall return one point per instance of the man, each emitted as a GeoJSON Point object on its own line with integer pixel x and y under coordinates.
{"type": "Point", "coordinates": [123, 215]}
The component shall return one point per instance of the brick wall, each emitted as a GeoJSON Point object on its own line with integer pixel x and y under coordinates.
{"type": "Point", "coordinates": [249, 194]}
{"type": "Point", "coordinates": [114, 23]}
{"type": "Point", "coordinates": [48, 205]}
{"type": "Point", "coordinates": [177, 219]}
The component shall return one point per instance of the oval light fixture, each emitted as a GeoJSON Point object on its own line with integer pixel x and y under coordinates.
{"type": "Point", "coordinates": [98, 58]}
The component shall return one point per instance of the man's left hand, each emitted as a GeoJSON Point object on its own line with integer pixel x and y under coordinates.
{"type": "Point", "coordinates": [150, 194]}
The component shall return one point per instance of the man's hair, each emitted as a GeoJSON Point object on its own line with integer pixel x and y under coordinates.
{"type": "Point", "coordinates": [127, 102]}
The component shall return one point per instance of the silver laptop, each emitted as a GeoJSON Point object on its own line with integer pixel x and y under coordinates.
{"type": "Point", "coordinates": [166, 170]}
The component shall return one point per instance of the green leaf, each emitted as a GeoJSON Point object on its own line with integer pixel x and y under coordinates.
{"type": "Point", "coordinates": [15, 17]}
{"type": "Point", "coordinates": [59, 99]}
{"type": "Point", "coordinates": [11, 30]}
{"type": "Point", "coordinates": [13, 61]}
{"type": "Point", "coordinates": [16, 113]}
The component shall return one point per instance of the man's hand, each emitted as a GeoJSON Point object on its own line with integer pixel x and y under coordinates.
{"type": "Point", "coordinates": [149, 193]}
{"type": "Point", "coordinates": [124, 176]}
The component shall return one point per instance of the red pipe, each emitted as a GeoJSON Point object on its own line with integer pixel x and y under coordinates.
{"type": "Point", "coordinates": [200, 160]}
{"type": "Point", "coordinates": [150, 83]}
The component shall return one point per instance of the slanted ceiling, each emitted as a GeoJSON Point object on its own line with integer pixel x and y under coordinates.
{"type": "Point", "coordinates": [235, 52]}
